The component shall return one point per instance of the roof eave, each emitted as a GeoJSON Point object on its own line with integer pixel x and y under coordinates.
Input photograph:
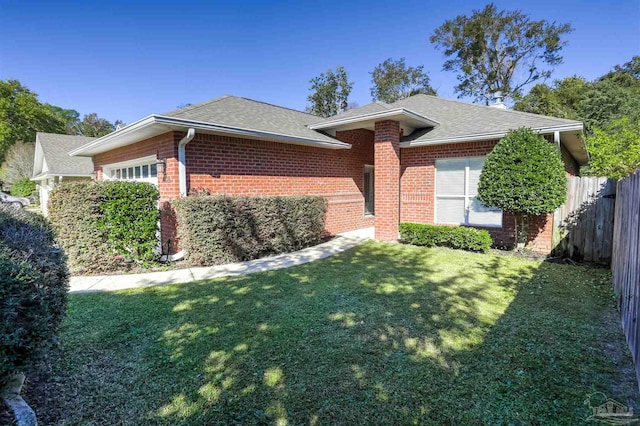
{"type": "Point", "coordinates": [378, 115]}
{"type": "Point", "coordinates": [565, 128]}
{"type": "Point", "coordinates": [154, 125]}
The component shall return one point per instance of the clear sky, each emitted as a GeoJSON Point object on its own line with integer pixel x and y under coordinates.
{"type": "Point", "coordinates": [126, 60]}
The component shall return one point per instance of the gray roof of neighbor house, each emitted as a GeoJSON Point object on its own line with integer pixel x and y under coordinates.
{"type": "Point", "coordinates": [56, 153]}
{"type": "Point", "coordinates": [245, 113]}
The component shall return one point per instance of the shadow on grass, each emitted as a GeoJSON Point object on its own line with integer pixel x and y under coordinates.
{"type": "Point", "coordinates": [381, 334]}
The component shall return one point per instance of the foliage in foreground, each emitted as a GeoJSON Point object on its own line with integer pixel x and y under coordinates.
{"type": "Point", "coordinates": [33, 289]}
{"type": "Point", "coordinates": [218, 229]}
{"type": "Point", "coordinates": [103, 225]}
{"type": "Point", "coordinates": [381, 334]}
{"type": "Point", "coordinates": [523, 175]}
{"type": "Point", "coordinates": [456, 237]}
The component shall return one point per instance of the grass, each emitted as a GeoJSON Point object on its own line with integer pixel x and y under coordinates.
{"type": "Point", "coordinates": [381, 334]}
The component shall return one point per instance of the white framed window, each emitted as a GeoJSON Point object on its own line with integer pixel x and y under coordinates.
{"type": "Point", "coordinates": [456, 191]}
{"type": "Point", "coordinates": [141, 169]}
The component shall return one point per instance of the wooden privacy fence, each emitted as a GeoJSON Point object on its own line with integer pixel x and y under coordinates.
{"type": "Point", "coordinates": [583, 226]}
{"type": "Point", "coordinates": [626, 261]}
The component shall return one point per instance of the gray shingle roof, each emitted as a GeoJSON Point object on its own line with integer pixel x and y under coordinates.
{"type": "Point", "coordinates": [56, 148]}
{"type": "Point", "coordinates": [254, 115]}
{"type": "Point", "coordinates": [459, 119]}
{"type": "Point", "coordinates": [365, 109]}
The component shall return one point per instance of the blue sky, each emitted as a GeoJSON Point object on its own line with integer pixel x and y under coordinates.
{"type": "Point", "coordinates": [126, 60]}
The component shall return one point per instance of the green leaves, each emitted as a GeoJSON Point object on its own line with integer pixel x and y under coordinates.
{"type": "Point", "coordinates": [456, 237]}
{"type": "Point", "coordinates": [101, 225]}
{"type": "Point", "coordinates": [393, 80]}
{"type": "Point", "coordinates": [219, 229]}
{"type": "Point", "coordinates": [523, 174]}
{"type": "Point", "coordinates": [615, 149]}
{"type": "Point", "coordinates": [330, 92]}
{"type": "Point", "coordinates": [490, 48]}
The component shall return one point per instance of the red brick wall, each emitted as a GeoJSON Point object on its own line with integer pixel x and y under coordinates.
{"type": "Point", "coordinates": [418, 191]}
{"type": "Point", "coordinates": [233, 166]}
{"type": "Point", "coordinates": [387, 176]}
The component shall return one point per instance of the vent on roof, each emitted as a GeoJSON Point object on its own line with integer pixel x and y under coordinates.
{"type": "Point", "coordinates": [498, 101]}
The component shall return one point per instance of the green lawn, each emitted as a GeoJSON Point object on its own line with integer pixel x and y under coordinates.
{"type": "Point", "coordinates": [381, 334]}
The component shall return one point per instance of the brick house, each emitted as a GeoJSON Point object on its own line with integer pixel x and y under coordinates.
{"type": "Point", "coordinates": [415, 160]}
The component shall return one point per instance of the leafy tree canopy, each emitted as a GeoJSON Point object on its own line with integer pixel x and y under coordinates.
{"type": "Point", "coordinates": [330, 92]}
{"type": "Point", "coordinates": [393, 80]}
{"type": "Point", "coordinates": [615, 149]}
{"type": "Point", "coordinates": [22, 115]}
{"type": "Point", "coordinates": [491, 49]}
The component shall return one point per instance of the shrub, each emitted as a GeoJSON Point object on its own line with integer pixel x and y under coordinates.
{"type": "Point", "coordinates": [523, 175]}
{"type": "Point", "coordinates": [33, 289]}
{"type": "Point", "coordinates": [23, 187]}
{"type": "Point", "coordinates": [457, 237]}
{"type": "Point", "coordinates": [105, 225]}
{"type": "Point", "coordinates": [220, 229]}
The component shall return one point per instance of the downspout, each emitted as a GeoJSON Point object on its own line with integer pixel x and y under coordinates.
{"type": "Point", "coordinates": [182, 161]}
{"type": "Point", "coordinates": [182, 182]}
{"type": "Point", "coordinates": [556, 140]}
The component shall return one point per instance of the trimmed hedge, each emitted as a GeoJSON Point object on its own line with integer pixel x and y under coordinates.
{"type": "Point", "coordinates": [33, 289]}
{"type": "Point", "coordinates": [105, 226]}
{"type": "Point", "coordinates": [216, 229]}
{"type": "Point", "coordinates": [457, 237]}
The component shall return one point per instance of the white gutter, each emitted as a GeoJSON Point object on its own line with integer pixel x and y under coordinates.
{"type": "Point", "coordinates": [165, 124]}
{"type": "Point", "coordinates": [182, 160]}
{"type": "Point", "coordinates": [486, 136]}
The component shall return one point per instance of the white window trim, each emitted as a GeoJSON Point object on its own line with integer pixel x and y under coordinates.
{"type": "Point", "coordinates": [467, 197]}
{"type": "Point", "coordinates": [142, 161]}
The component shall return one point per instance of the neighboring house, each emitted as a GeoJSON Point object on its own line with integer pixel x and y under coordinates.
{"type": "Point", "coordinates": [416, 160]}
{"type": "Point", "coordinates": [52, 163]}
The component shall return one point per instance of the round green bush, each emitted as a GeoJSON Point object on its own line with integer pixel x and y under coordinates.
{"type": "Point", "coordinates": [33, 289]}
{"type": "Point", "coordinates": [23, 187]}
{"type": "Point", "coordinates": [524, 174]}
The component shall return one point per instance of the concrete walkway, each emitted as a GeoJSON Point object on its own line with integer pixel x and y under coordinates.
{"type": "Point", "coordinates": [340, 243]}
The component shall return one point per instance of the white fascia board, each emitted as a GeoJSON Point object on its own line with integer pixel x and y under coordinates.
{"type": "Point", "coordinates": [487, 136]}
{"type": "Point", "coordinates": [375, 116]}
{"type": "Point", "coordinates": [164, 123]}
{"type": "Point", "coordinates": [50, 175]}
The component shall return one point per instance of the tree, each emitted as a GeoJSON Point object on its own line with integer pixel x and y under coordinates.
{"type": "Point", "coordinates": [22, 115]}
{"type": "Point", "coordinates": [627, 75]}
{"type": "Point", "coordinates": [23, 187]}
{"type": "Point", "coordinates": [70, 118]}
{"type": "Point", "coordinates": [94, 126]}
{"type": "Point", "coordinates": [393, 80]}
{"type": "Point", "coordinates": [615, 149]}
{"type": "Point", "coordinates": [523, 175]}
{"type": "Point", "coordinates": [330, 93]}
{"type": "Point", "coordinates": [559, 100]}
{"type": "Point", "coordinates": [605, 101]}
{"type": "Point", "coordinates": [490, 49]}
{"type": "Point", "coordinates": [18, 163]}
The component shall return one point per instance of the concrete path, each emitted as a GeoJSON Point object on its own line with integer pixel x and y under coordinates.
{"type": "Point", "coordinates": [340, 243]}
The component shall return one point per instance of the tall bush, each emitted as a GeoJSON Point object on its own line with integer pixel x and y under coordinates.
{"type": "Point", "coordinates": [23, 187]}
{"type": "Point", "coordinates": [33, 289]}
{"type": "Point", "coordinates": [104, 225]}
{"type": "Point", "coordinates": [220, 229]}
{"type": "Point", "coordinates": [523, 175]}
